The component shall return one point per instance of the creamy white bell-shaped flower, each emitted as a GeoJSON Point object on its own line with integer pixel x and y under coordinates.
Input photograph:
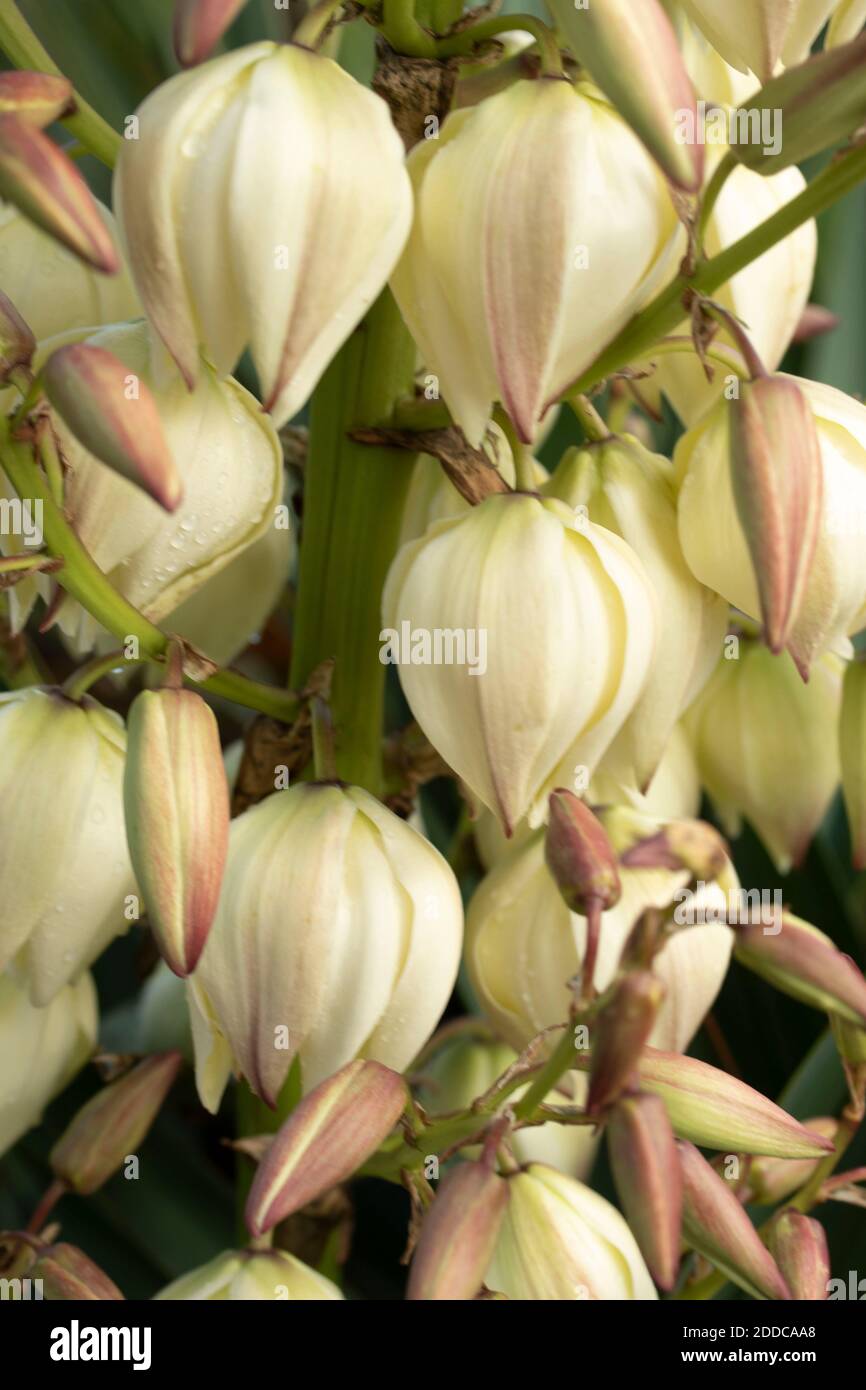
{"type": "Point", "coordinates": [252, 1275]}
{"type": "Point", "coordinates": [541, 225]}
{"type": "Point", "coordinates": [713, 79]}
{"type": "Point", "coordinates": [560, 1241]}
{"type": "Point", "coordinates": [833, 605]}
{"type": "Point", "coordinates": [619, 484]}
{"type": "Point", "coordinates": [769, 295]}
{"type": "Point", "coordinates": [767, 748]}
{"type": "Point", "coordinates": [228, 456]}
{"type": "Point", "coordinates": [338, 935]}
{"type": "Point", "coordinates": [41, 1049]}
{"type": "Point", "coordinates": [433, 497]}
{"type": "Point", "coordinates": [54, 290]}
{"type": "Point", "coordinates": [558, 625]}
{"type": "Point", "coordinates": [64, 867]}
{"type": "Point", "coordinates": [758, 34]}
{"type": "Point", "coordinates": [523, 946]}
{"type": "Point", "coordinates": [264, 204]}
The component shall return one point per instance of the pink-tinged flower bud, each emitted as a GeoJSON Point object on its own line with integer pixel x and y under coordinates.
{"type": "Point", "coordinates": [68, 1275]}
{"type": "Point", "coordinates": [820, 104]}
{"type": "Point", "coordinates": [771, 1180]}
{"type": "Point", "coordinates": [803, 962]}
{"type": "Point", "coordinates": [560, 1241]}
{"type": "Point", "coordinates": [715, 1224]}
{"type": "Point", "coordinates": [516, 271]}
{"type": "Point", "coordinates": [767, 746]}
{"type": "Point", "coordinates": [714, 1109]}
{"type": "Point", "coordinates": [199, 25]}
{"type": "Point", "coordinates": [325, 1139]}
{"type": "Point", "coordinates": [619, 1035]}
{"type": "Point", "coordinates": [37, 97]}
{"type": "Point", "coordinates": [66, 883]}
{"type": "Point", "coordinates": [798, 1244]}
{"type": "Point", "coordinates": [852, 757]}
{"type": "Point", "coordinates": [758, 34]}
{"type": "Point", "coordinates": [579, 855]}
{"type": "Point", "coordinates": [220, 268]}
{"type": "Point", "coordinates": [252, 1276]}
{"type": "Point", "coordinates": [90, 388]}
{"type": "Point", "coordinates": [112, 1124]}
{"type": "Point", "coordinates": [778, 482]}
{"type": "Point", "coordinates": [716, 548]}
{"type": "Point", "coordinates": [230, 464]}
{"type": "Point", "coordinates": [41, 1049]}
{"type": "Point", "coordinates": [681, 844]}
{"type": "Point", "coordinates": [176, 800]}
{"type": "Point", "coordinates": [17, 343]}
{"type": "Point", "coordinates": [40, 180]}
{"type": "Point", "coordinates": [648, 1179]}
{"type": "Point", "coordinates": [338, 935]}
{"type": "Point", "coordinates": [523, 945]}
{"type": "Point", "coordinates": [459, 1235]}
{"type": "Point", "coordinates": [519, 564]}
{"type": "Point", "coordinates": [613, 38]}
{"type": "Point", "coordinates": [619, 484]}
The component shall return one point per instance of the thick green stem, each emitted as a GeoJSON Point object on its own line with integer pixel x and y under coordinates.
{"type": "Point", "coordinates": [462, 44]}
{"type": "Point", "coordinates": [353, 504]}
{"type": "Point", "coordinates": [403, 31]}
{"type": "Point", "coordinates": [666, 311]}
{"type": "Point", "coordinates": [23, 48]}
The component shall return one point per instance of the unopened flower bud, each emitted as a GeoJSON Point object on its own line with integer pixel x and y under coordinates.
{"type": "Point", "coordinates": [619, 484]}
{"type": "Point", "coordinates": [113, 1124]}
{"type": "Point", "coordinates": [798, 1244]}
{"type": "Point", "coordinates": [89, 388]}
{"type": "Point", "coordinates": [619, 1036]}
{"type": "Point", "coordinates": [199, 25]}
{"type": "Point", "coordinates": [281, 274]}
{"type": "Point", "coordinates": [66, 883]}
{"type": "Point", "coordinates": [778, 484]}
{"type": "Point", "coordinates": [459, 1235]}
{"type": "Point", "coordinates": [338, 935]}
{"type": "Point", "coordinates": [523, 944]}
{"type": "Point", "coordinates": [176, 800]}
{"type": "Point", "coordinates": [758, 34]}
{"type": "Point", "coordinates": [561, 1241]}
{"type": "Point", "coordinates": [519, 563]}
{"type": "Point", "coordinates": [252, 1276]}
{"type": "Point", "coordinates": [45, 185]}
{"type": "Point", "coordinates": [821, 103]}
{"type": "Point", "coordinates": [684, 844]}
{"type": "Point", "coordinates": [37, 97]}
{"type": "Point", "coordinates": [41, 1049]}
{"type": "Point", "coordinates": [612, 38]}
{"type": "Point", "coordinates": [852, 757]}
{"type": "Point", "coordinates": [716, 548]}
{"type": "Point", "coordinates": [767, 746]}
{"type": "Point", "coordinates": [771, 1180]}
{"type": "Point", "coordinates": [514, 271]}
{"type": "Point", "coordinates": [68, 1275]}
{"type": "Point", "coordinates": [803, 962]}
{"type": "Point", "coordinates": [17, 343]}
{"type": "Point", "coordinates": [325, 1139]}
{"type": "Point", "coordinates": [717, 1227]}
{"type": "Point", "coordinates": [579, 855]}
{"type": "Point", "coordinates": [648, 1179]}
{"type": "Point", "coordinates": [714, 1109]}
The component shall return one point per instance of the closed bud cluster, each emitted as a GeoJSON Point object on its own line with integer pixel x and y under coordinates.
{"type": "Point", "coordinates": [523, 944]}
